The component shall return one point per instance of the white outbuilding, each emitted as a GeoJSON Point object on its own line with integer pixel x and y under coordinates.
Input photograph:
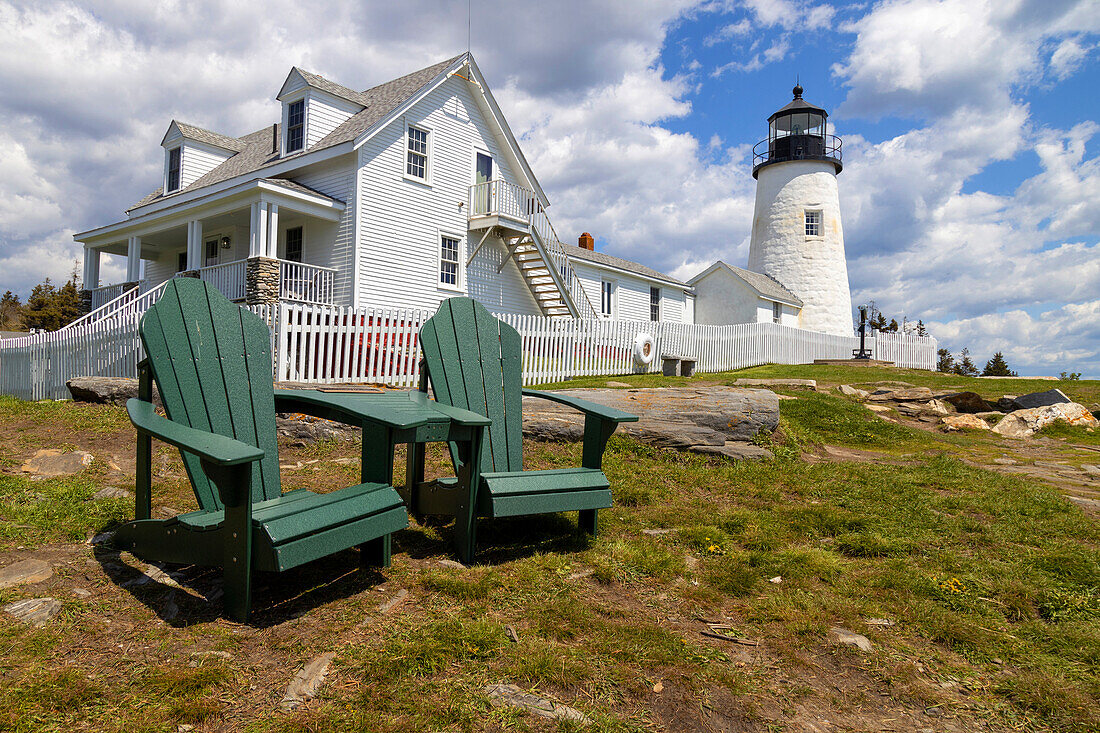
{"type": "Point", "coordinates": [726, 294]}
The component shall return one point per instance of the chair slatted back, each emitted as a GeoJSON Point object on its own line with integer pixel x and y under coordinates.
{"type": "Point", "coordinates": [474, 361]}
{"type": "Point", "coordinates": [211, 361]}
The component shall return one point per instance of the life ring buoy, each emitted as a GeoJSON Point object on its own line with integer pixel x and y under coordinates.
{"type": "Point", "coordinates": [644, 349]}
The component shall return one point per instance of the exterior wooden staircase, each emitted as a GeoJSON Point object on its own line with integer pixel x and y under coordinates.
{"type": "Point", "coordinates": [515, 214]}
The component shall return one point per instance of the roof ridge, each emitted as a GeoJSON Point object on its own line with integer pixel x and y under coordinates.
{"type": "Point", "coordinates": [444, 63]}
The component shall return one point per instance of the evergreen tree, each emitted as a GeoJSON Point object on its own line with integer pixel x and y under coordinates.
{"type": "Point", "coordinates": [893, 327]}
{"type": "Point", "coordinates": [946, 362]}
{"type": "Point", "coordinates": [50, 307]}
{"type": "Point", "coordinates": [878, 322]}
{"type": "Point", "coordinates": [965, 367]}
{"type": "Point", "coordinates": [11, 312]}
{"type": "Point", "coordinates": [997, 367]}
{"type": "Point", "coordinates": [922, 330]}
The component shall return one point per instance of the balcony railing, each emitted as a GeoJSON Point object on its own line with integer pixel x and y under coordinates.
{"type": "Point", "coordinates": [797, 147]}
{"type": "Point", "coordinates": [501, 198]}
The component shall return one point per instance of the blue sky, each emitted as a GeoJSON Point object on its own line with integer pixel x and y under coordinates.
{"type": "Point", "coordinates": [970, 141]}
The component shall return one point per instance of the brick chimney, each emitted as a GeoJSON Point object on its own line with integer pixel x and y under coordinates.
{"type": "Point", "coordinates": [587, 242]}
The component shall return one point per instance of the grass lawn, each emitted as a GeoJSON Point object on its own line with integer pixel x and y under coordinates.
{"type": "Point", "coordinates": [991, 584]}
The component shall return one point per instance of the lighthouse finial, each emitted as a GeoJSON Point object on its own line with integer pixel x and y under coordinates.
{"type": "Point", "coordinates": [797, 88]}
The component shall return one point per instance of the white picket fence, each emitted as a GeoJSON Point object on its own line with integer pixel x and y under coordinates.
{"type": "Point", "coordinates": [320, 344]}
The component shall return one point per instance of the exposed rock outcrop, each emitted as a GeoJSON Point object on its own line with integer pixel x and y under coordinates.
{"type": "Point", "coordinates": [1025, 423]}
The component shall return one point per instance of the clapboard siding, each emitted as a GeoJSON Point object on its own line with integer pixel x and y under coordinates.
{"type": "Point", "coordinates": [328, 244]}
{"type": "Point", "coordinates": [324, 113]}
{"type": "Point", "coordinates": [400, 220]}
{"type": "Point", "coordinates": [196, 160]}
{"type": "Point", "coordinates": [631, 294]}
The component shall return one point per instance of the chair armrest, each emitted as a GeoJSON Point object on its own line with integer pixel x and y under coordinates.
{"type": "Point", "coordinates": [586, 406]}
{"type": "Point", "coordinates": [217, 449]}
{"type": "Point", "coordinates": [456, 414]}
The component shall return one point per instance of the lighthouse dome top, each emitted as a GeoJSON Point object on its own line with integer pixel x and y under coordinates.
{"type": "Point", "coordinates": [798, 105]}
{"type": "Point", "coordinates": [798, 131]}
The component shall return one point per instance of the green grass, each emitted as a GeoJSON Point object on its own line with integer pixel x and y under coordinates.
{"type": "Point", "coordinates": [989, 579]}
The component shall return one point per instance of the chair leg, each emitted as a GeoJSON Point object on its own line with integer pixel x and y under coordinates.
{"type": "Point", "coordinates": [587, 520]}
{"type": "Point", "coordinates": [465, 537]}
{"type": "Point", "coordinates": [376, 552]}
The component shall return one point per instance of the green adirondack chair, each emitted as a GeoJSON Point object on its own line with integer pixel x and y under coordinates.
{"type": "Point", "coordinates": [473, 361]}
{"type": "Point", "coordinates": [211, 361]}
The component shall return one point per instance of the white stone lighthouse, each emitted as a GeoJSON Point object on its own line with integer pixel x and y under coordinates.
{"type": "Point", "coordinates": [797, 237]}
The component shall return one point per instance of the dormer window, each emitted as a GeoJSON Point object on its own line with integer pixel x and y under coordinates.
{"type": "Point", "coordinates": [172, 180]}
{"type": "Point", "coordinates": [295, 126]}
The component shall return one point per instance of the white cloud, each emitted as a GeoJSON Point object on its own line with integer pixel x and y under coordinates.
{"type": "Point", "coordinates": [1067, 58]}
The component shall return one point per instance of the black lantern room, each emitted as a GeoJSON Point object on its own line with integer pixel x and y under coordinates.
{"type": "Point", "coordinates": [799, 131]}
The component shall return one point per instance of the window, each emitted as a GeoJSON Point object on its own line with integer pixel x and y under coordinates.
{"type": "Point", "coordinates": [294, 244]}
{"type": "Point", "coordinates": [813, 223]}
{"type": "Point", "coordinates": [777, 312]}
{"type": "Point", "coordinates": [296, 126]}
{"type": "Point", "coordinates": [416, 161]}
{"type": "Point", "coordinates": [211, 252]}
{"type": "Point", "coordinates": [181, 261]}
{"type": "Point", "coordinates": [607, 293]}
{"type": "Point", "coordinates": [173, 182]}
{"type": "Point", "coordinates": [654, 304]}
{"type": "Point", "coordinates": [448, 262]}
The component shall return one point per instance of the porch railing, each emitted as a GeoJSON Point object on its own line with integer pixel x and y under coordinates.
{"type": "Point", "coordinates": [229, 278]}
{"type": "Point", "coordinates": [104, 294]}
{"type": "Point", "coordinates": [306, 283]}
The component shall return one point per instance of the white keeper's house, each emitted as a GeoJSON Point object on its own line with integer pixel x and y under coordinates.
{"type": "Point", "coordinates": [402, 195]}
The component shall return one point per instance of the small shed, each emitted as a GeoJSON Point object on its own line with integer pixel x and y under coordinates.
{"type": "Point", "coordinates": [725, 294]}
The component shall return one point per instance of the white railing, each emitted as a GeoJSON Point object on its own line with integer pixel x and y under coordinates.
{"type": "Point", "coordinates": [323, 344]}
{"type": "Point", "coordinates": [307, 283]}
{"type": "Point", "coordinates": [104, 294]}
{"type": "Point", "coordinates": [229, 278]}
{"type": "Point", "coordinates": [37, 367]}
{"type": "Point", "coordinates": [501, 198]}
{"type": "Point", "coordinates": [917, 352]}
{"type": "Point", "coordinates": [327, 344]}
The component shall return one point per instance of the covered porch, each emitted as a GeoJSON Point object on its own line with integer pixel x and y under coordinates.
{"type": "Point", "coordinates": [261, 242]}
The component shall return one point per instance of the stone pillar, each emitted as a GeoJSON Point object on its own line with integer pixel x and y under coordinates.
{"type": "Point", "coordinates": [85, 301]}
{"type": "Point", "coordinates": [188, 273]}
{"type": "Point", "coordinates": [261, 281]}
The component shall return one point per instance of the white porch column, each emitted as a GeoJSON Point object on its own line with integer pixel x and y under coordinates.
{"type": "Point", "coordinates": [257, 233]}
{"type": "Point", "coordinates": [91, 268]}
{"type": "Point", "coordinates": [273, 231]}
{"type": "Point", "coordinates": [194, 244]}
{"type": "Point", "coordinates": [133, 260]}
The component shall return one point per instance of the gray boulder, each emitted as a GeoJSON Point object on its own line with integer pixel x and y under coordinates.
{"type": "Point", "coordinates": [902, 394]}
{"type": "Point", "coordinates": [1041, 399]}
{"type": "Point", "coordinates": [105, 390]}
{"type": "Point", "coordinates": [967, 402]}
{"type": "Point", "coordinates": [684, 418]}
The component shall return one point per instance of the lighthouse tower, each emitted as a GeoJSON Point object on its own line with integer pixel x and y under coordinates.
{"type": "Point", "coordinates": [797, 237]}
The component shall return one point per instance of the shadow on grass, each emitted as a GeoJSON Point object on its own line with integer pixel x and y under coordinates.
{"type": "Point", "coordinates": [197, 596]}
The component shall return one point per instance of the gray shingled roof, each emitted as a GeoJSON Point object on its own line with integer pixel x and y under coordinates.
{"type": "Point", "coordinates": [337, 90]}
{"type": "Point", "coordinates": [256, 147]}
{"type": "Point", "coordinates": [766, 285]}
{"type": "Point", "coordinates": [191, 132]}
{"type": "Point", "coordinates": [600, 258]}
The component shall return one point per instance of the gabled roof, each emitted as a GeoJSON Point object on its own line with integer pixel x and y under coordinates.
{"type": "Point", "coordinates": [319, 82]}
{"type": "Point", "coordinates": [765, 286]}
{"type": "Point", "coordinates": [256, 148]}
{"type": "Point", "coordinates": [599, 258]}
{"type": "Point", "coordinates": [191, 132]}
